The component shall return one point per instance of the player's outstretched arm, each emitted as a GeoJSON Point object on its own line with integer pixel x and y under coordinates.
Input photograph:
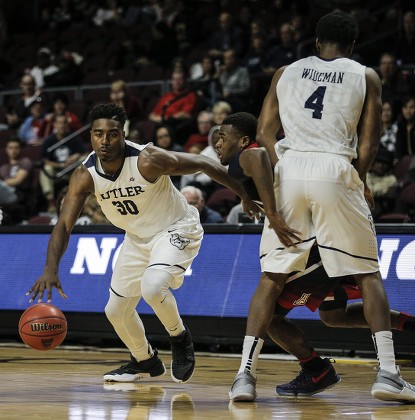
{"type": "Point", "coordinates": [80, 186]}
{"type": "Point", "coordinates": [155, 162]}
{"type": "Point", "coordinates": [269, 122]}
{"type": "Point", "coordinates": [370, 124]}
{"type": "Point", "coordinates": [256, 164]}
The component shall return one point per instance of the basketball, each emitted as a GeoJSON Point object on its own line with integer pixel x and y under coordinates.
{"type": "Point", "coordinates": [42, 326]}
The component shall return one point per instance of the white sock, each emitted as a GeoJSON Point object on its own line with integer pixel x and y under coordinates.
{"type": "Point", "coordinates": [250, 353]}
{"type": "Point", "coordinates": [383, 342]}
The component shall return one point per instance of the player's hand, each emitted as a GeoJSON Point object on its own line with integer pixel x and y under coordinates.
{"type": "Point", "coordinates": [369, 198]}
{"type": "Point", "coordinates": [251, 209]}
{"type": "Point", "coordinates": [45, 282]}
{"type": "Point", "coordinates": [287, 236]}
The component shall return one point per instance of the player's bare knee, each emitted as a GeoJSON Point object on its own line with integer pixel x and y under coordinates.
{"type": "Point", "coordinates": [332, 318]}
{"type": "Point", "coordinates": [273, 281]}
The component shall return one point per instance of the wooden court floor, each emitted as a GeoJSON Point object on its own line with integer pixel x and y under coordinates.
{"type": "Point", "coordinates": [66, 383]}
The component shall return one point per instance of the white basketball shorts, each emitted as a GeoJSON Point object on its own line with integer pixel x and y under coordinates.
{"type": "Point", "coordinates": [172, 250]}
{"type": "Point", "coordinates": [321, 196]}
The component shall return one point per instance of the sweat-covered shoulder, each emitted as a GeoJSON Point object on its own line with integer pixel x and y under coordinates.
{"type": "Point", "coordinates": [252, 159]}
{"type": "Point", "coordinates": [372, 80]}
{"type": "Point", "coordinates": [155, 161]}
{"type": "Point", "coordinates": [269, 122]}
{"type": "Point", "coordinates": [81, 180]}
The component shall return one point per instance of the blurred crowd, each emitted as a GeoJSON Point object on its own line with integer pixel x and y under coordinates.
{"type": "Point", "coordinates": [199, 61]}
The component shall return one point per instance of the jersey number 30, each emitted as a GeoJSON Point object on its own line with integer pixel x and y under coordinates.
{"type": "Point", "coordinates": [126, 207]}
{"type": "Point", "coordinates": [315, 102]}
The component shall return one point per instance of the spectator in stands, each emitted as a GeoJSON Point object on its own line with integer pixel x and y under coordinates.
{"type": "Point", "coordinates": [137, 136]}
{"type": "Point", "coordinates": [227, 36]}
{"type": "Point", "coordinates": [254, 60]}
{"type": "Point", "coordinates": [165, 138]}
{"type": "Point", "coordinates": [235, 214]}
{"type": "Point", "coordinates": [15, 176]}
{"type": "Point", "coordinates": [220, 110]}
{"type": "Point", "coordinates": [60, 16]}
{"type": "Point", "coordinates": [194, 197]}
{"type": "Point", "coordinates": [301, 27]}
{"type": "Point", "coordinates": [260, 72]}
{"type": "Point", "coordinates": [121, 95]}
{"type": "Point", "coordinates": [200, 179]}
{"type": "Point", "coordinates": [44, 67]}
{"type": "Point", "coordinates": [284, 53]}
{"type": "Point", "coordinates": [389, 127]}
{"type": "Point", "coordinates": [382, 182]}
{"type": "Point", "coordinates": [18, 110]}
{"type": "Point", "coordinates": [60, 105]}
{"type": "Point", "coordinates": [405, 137]}
{"type": "Point", "coordinates": [110, 14]}
{"type": "Point", "coordinates": [91, 213]}
{"type": "Point", "coordinates": [235, 82]}
{"type": "Point", "coordinates": [29, 130]}
{"type": "Point", "coordinates": [57, 160]}
{"type": "Point", "coordinates": [394, 86]}
{"type": "Point", "coordinates": [204, 124]}
{"type": "Point", "coordinates": [7, 194]}
{"type": "Point", "coordinates": [404, 49]}
{"type": "Point", "coordinates": [177, 108]}
{"type": "Point", "coordinates": [204, 78]}
{"type": "Point", "coordinates": [69, 70]}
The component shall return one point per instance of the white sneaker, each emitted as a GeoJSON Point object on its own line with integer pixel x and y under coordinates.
{"type": "Point", "coordinates": [391, 387]}
{"type": "Point", "coordinates": [243, 388]}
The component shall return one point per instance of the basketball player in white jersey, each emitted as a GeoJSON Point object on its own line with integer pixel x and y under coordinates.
{"type": "Point", "coordinates": [329, 108]}
{"type": "Point", "coordinates": [163, 236]}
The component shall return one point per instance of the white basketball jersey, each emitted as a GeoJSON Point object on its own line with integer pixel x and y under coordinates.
{"type": "Point", "coordinates": [320, 103]}
{"type": "Point", "coordinates": [132, 203]}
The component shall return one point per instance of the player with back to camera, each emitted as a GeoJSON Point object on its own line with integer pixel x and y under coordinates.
{"type": "Point", "coordinates": [249, 164]}
{"type": "Point", "coordinates": [163, 236]}
{"type": "Point", "coordinates": [329, 108]}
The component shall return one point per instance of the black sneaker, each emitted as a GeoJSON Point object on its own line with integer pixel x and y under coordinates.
{"type": "Point", "coordinates": [134, 370]}
{"type": "Point", "coordinates": [309, 383]}
{"type": "Point", "coordinates": [183, 357]}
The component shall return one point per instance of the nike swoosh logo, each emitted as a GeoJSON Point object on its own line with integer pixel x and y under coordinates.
{"type": "Point", "coordinates": [173, 230]}
{"type": "Point", "coordinates": [392, 380]}
{"type": "Point", "coordinates": [316, 379]}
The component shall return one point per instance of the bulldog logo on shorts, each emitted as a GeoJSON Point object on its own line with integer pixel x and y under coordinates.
{"type": "Point", "coordinates": [178, 241]}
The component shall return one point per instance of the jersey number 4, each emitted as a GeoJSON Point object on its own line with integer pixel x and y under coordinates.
{"type": "Point", "coordinates": [315, 102]}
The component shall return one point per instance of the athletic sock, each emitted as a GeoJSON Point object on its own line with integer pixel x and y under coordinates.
{"type": "Point", "coordinates": [250, 353]}
{"type": "Point", "coordinates": [314, 362]}
{"type": "Point", "coordinates": [383, 342]}
{"type": "Point", "coordinates": [406, 322]}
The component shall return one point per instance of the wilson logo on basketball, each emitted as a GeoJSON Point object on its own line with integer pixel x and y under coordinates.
{"type": "Point", "coordinates": [45, 326]}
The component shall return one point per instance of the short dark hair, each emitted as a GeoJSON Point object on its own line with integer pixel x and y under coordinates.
{"type": "Point", "coordinates": [109, 111]}
{"type": "Point", "coordinates": [61, 96]}
{"type": "Point", "coordinates": [337, 28]}
{"type": "Point", "coordinates": [244, 122]}
{"type": "Point", "coordinates": [15, 140]}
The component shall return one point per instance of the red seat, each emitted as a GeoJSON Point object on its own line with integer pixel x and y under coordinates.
{"type": "Point", "coordinates": [39, 220]}
{"type": "Point", "coordinates": [394, 218]}
{"type": "Point", "coordinates": [222, 200]}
